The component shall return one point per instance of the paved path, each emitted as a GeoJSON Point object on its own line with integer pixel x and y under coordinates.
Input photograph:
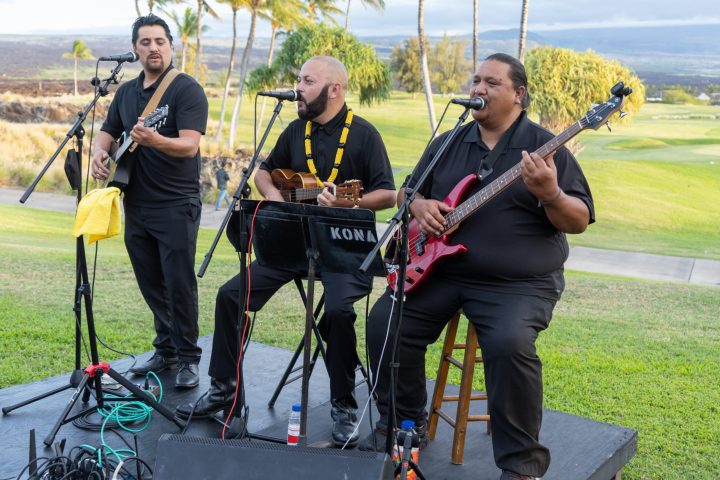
{"type": "Point", "coordinates": [639, 265]}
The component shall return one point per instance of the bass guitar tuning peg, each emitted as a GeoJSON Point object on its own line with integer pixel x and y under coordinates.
{"type": "Point", "coordinates": [607, 124]}
{"type": "Point", "coordinates": [623, 114]}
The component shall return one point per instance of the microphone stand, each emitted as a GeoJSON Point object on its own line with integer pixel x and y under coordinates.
{"type": "Point", "coordinates": [82, 380]}
{"type": "Point", "coordinates": [402, 218]}
{"type": "Point", "coordinates": [76, 130]}
{"type": "Point", "coordinates": [238, 425]}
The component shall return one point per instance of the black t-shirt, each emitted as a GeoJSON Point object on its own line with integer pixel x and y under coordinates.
{"type": "Point", "coordinates": [364, 158]}
{"type": "Point", "coordinates": [159, 179]}
{"type": "Point", "coordinates": [512, 246]}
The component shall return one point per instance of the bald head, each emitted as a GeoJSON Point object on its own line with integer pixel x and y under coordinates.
{"type": "Point", "coordinates": [321, 85]}
{"type": "Point", "coordinates": [331, 69]}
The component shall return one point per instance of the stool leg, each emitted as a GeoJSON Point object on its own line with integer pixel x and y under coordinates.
{"type": "Point", "coordinates": [463, 408]}
{"type": "Point", "coordinates": [439, 392]}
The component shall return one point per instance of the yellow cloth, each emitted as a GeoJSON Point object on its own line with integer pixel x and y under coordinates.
{"type": "Point", "coordinates": [98, 214]}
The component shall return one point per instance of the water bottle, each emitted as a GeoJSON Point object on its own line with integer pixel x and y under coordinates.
{"type": "Point", "coordinates": [408, 427]}
{"type": "Point", "coordinates": [294, 425]}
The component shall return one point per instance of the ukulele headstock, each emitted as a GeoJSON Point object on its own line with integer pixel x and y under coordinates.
{"type": "Point", "coordinates": [351, 190]}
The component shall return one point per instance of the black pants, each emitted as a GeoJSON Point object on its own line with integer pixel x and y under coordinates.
{"type": "Point", "coordinates": [161, 243]}
{"type": "Point", "coordinates": [507, 326]}
{"type": "Point", "coordinates": [337, 323]}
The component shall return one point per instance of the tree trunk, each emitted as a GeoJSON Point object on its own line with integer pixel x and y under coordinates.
{"type": "Point", "coordinates": [423, 61]}
{"type": "Point", "coordinates": [226, 91]}
{"type": "Point", "coordinates": [197, 40]}
{"type": "Point", "coordinates": [523, 31]}
{"type": "Point", "coordinates": [243, 74]}
{"type": "Point", "coordinates": [273, 34]}
{"type": "Point", "coordinates": [475, 36]}
{"type": "Point", "coordinates": [347, 17]}
{"type": "Point", "coordinates": [137, 8]}
{"type": "Point", "coordinates": [75, 76]}
{"type": "Point", "coordinates": [183, 54]}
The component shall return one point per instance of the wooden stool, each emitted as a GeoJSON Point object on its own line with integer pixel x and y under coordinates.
{"type": "Point", "coordinates": [459, 423]}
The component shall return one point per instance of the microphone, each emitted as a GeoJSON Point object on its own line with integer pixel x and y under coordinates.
{"type": "Point", "coordinates": [290, 95]}
{"type": "Point", "coordinates": [125, 57]}
{"type": "Point", "coordinates": [476, 103]}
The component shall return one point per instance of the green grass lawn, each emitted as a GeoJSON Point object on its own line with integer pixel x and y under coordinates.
{"type": "Point", "coordinates": [640, 354]}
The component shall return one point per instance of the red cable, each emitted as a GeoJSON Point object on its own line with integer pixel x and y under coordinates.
{"type": "Point", "coordinates": [246, 323]}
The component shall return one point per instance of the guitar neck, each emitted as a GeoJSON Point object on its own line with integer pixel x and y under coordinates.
{"type": "Point", "coordinates": [487, 193]}
{"type": "Point", "coordinates": [122, 149]}
{"type": "Point", "coordinates": [302, 194]}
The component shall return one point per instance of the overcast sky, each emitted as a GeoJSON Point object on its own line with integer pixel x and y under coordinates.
{"type": "Point", "coordinates": [75, 17]}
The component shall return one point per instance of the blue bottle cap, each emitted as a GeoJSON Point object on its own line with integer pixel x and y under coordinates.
{"type": "Point", "coordinates": [296, 408]}
{"type": "Point", "coordinates": [407, 424]}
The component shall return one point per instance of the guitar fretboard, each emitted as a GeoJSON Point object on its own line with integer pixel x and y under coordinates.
{"type": "Point", "coordinates": [301, 194]}
{"type": "Point", "coordinates": [473, 203]}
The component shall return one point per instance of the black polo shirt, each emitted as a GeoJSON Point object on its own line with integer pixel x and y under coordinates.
{"type": "Point", "coordinates": [364, 158]}
{"type": "Point", "coordinates": [159, 179]}
{"type": "Point", "coordinates": [512, 246]}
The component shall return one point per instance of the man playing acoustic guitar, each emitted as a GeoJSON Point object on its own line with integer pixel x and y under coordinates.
{"type": "Point", "coordinates": [333, 145]}
{"type": "Point", "coordinates": [508, 281]}
{"type": "Point", "coordinates": [162, 198]}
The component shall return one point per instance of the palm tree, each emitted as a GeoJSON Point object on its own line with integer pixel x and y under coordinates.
{"type": "Point", "coordinates": [235, 5]}
{"type": "Point", "coordinates": [255, 7]}
{"type": "Point", "coordinates": [523, 30]}
{"type": "Point", "coordinates": [475, 35]}
{"type": "Point", "coordinates": [326, 8]}
{"type": "Point", "coordinates": [424, 64]}
{"type": "Point", "coordinates": [186, 27]}
{"type": "Point", "coordinates": [378, 5]}
{"type": "Point", "coordinates": [202, 4]}
{"type": "Point", "coordinates": [287, 15]}
{"type": "Point", "coordinates": [79, 51]}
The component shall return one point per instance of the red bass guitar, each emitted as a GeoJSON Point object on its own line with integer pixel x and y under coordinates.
{"type": "Point", "coordinates": [426, 251]}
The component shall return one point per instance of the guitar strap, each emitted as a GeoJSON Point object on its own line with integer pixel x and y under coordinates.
{"type": "Point", "coordinates": [487, 162]}
{"type": "Point", "coordinates": [157, 96]}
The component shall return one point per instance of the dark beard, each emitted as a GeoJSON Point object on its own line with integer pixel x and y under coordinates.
{"type": "Point", "coordinates": [317, 106]}
{"type": "Point", "coordinates": [153, 69]}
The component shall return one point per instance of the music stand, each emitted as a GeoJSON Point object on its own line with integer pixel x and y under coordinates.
{"type": "Point", "coordinates": [299, 236]}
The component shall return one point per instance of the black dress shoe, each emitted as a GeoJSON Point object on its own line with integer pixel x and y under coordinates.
{"type": "Point", "coordinates": [188, 375]}
{"type": "Point", "coordinates": [508, 475]}
{"type": "Point", "coordinates": [344, 432]}
{"type": "Point", "coordinates": [157, 363]}
{"type": "Point", "coordinates": [220, 396]}
{"type": "Point", "coordinates": [375, 441]}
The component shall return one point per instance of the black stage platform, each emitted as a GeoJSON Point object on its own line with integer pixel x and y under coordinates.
{"type": "Point", "coordinates": [581, 448]}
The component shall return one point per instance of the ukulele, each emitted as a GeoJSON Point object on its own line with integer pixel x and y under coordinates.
{"type": "Point", "coordinates": [303, 187]}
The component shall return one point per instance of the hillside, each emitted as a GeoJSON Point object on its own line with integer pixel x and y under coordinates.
{"type": "Point", "coordinates": [661, 55]}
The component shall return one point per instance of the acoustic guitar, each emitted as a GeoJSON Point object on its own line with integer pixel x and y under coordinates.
{"type": "Point", "coordinates": [121, 162]}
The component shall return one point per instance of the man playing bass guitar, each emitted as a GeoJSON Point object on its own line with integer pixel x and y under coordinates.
{"type": "Point", "coordinates": [508, 281]}
{"type": "Point", "coordinates": [335, 146]}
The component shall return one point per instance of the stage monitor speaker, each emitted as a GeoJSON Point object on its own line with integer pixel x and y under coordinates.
{"type": "Point", "coordinates": [184, 457]}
